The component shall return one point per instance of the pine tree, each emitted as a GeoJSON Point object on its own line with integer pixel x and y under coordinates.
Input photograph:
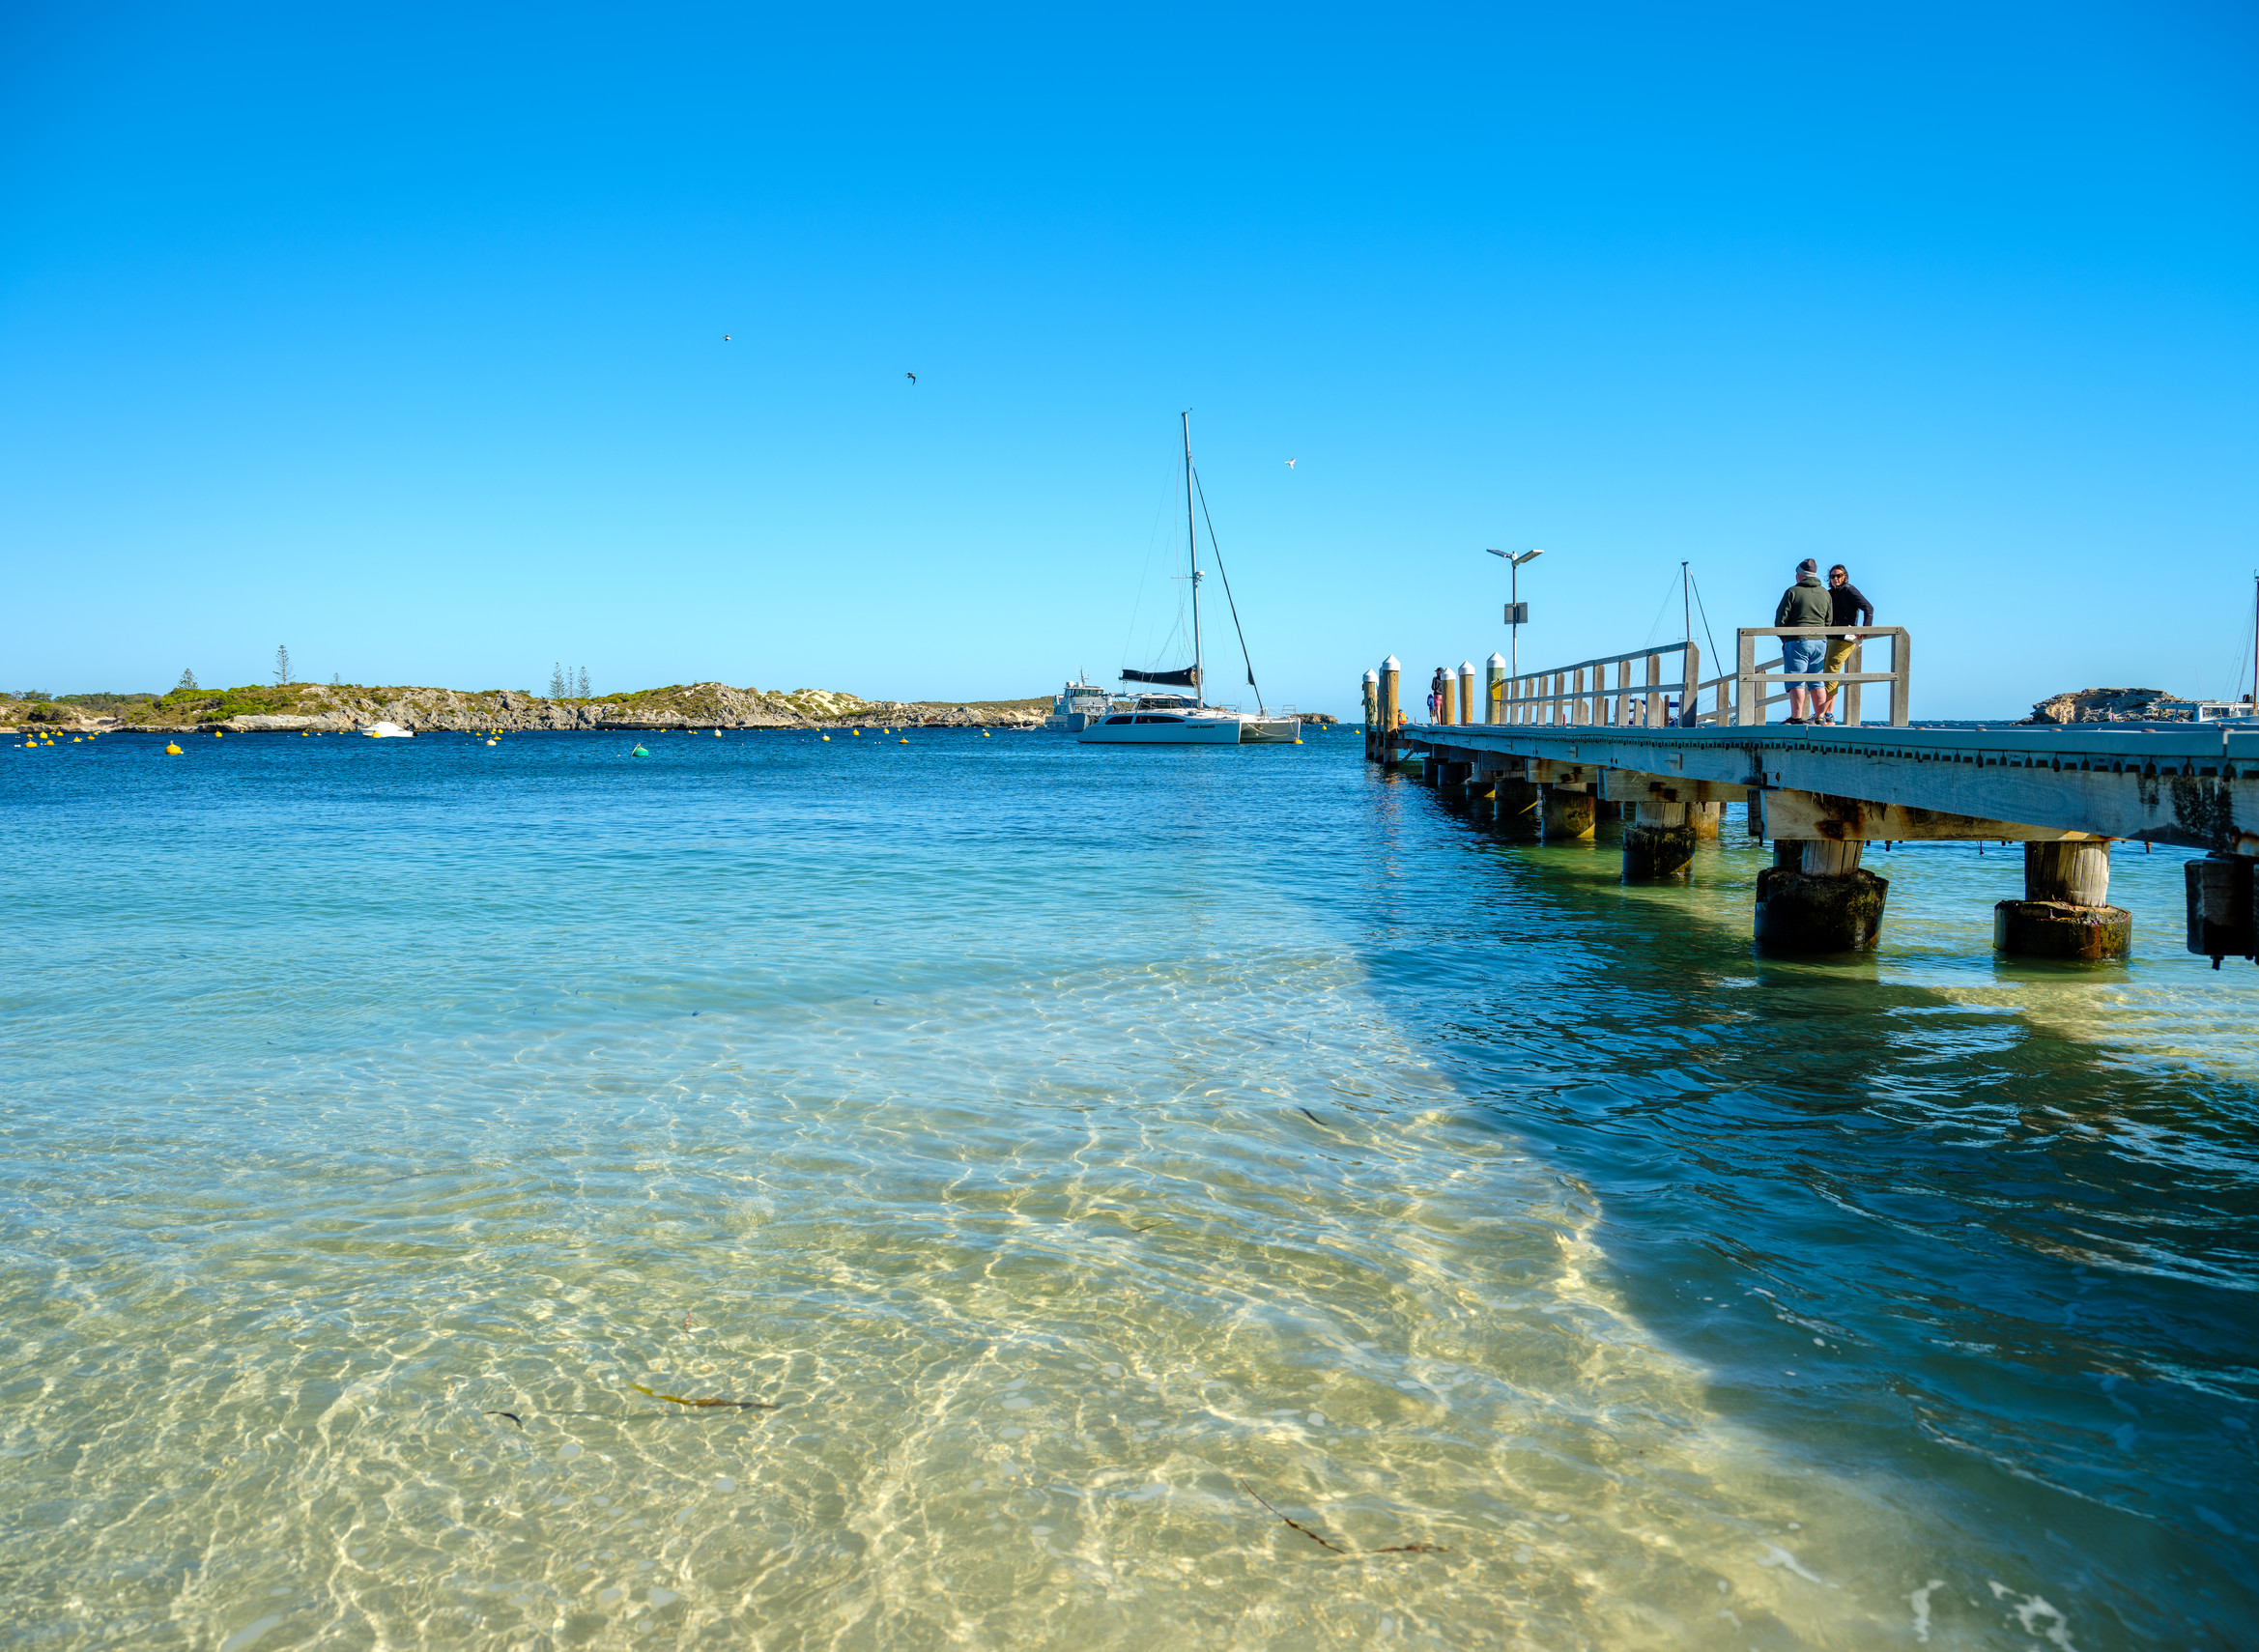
{"type": "Point", "coordinates": [188, 682]}
{"type": "Point", "coordinates": [281, 666]}
{"type": "Point", "coordinates": [558, 688]}
{"type": "Point", "coordinates": [583, 695]}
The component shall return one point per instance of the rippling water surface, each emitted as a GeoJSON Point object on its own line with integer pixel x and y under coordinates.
{"type": "Point", "coordinates": [1167, 1199]}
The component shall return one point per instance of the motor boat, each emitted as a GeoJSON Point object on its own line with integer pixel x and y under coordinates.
{"type": "Point", "coordinates": [1080, 704]}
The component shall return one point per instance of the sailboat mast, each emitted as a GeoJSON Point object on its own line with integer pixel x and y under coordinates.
{"type": "Point", "coordinates": [1192, 551]}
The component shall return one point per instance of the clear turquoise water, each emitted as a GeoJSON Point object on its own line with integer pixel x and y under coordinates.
{"type": "Point", "coordinates": [1075, 1147]}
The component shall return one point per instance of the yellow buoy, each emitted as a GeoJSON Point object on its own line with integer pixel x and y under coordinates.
{"type": "Point", "coordinates": [75, 738]}
{"type": "Point", "coordinates": [717, 733]}
{"type": "Point", "coordinates": [1298, 742]}
{"type": "Point", "coordinates": [901, 742]}
{"type": "Point", "coordinates": [171, 750]}
{"type": "Point", "coordinates": [827, 739]}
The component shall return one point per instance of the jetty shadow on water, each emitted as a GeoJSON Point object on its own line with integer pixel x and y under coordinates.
{"type": "Point", "coordinates": [1981, 1240]}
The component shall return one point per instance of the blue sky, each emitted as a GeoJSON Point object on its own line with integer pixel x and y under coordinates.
{"type": "Point", "coordinates": [394, 333]}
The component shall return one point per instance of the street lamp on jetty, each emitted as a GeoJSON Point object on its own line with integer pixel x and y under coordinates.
{"type": "Point", "coordinates": [1517, 610]}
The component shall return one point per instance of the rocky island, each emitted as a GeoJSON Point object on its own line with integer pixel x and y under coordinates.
{"type": "Point", "coordinates": [2130, 705]}
{"type": "Point", "coordinates": [337, 707]}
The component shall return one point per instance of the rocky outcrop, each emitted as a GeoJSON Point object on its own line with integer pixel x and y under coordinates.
{"type": "Point", "coordinates": [332, 722]}
{"type": "Point", "coordinates": [2109, 706]}
{"type": "Point", "coordinates": [331, 708]}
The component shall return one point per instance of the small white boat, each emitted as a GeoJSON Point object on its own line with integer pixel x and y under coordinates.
{"type": "Point", "coordinates": [1281, 727]}
{"type": "Point", "coordinates": [1187, 718]}
{"type": "Point", "coordinates": [388, 731]}
{"type": "Point", "coordinates": [1080, 704]}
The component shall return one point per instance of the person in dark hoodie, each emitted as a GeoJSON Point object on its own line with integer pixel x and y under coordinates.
{"type": "Point", "coordinates": [1850, 607]}
{"type": "Point", "coordinates": [1805, 603]}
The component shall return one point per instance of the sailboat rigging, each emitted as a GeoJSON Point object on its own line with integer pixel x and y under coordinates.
{"type": "Point", "coordinates": [1187, 718]}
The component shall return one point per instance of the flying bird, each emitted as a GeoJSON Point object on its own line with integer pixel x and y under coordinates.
{"type": "Point", "coordinates": [912, 377]}
{"type": "Point", "coordinates": [725, 338]}
{"type": "Point", "coordinates": [1290, 464]}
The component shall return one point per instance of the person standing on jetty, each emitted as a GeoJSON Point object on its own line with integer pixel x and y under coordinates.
{"type": "Point", "coordinates": [1435, 697]}
{"type": "Point", "coordinates": [1848, 606]}
{"type": "Point", "coordinates": [1806, 602]}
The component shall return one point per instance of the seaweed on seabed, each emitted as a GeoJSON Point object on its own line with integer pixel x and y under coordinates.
{"type": "Point", "coordinates": [1327, 1543]}
{"type": "Point", "coordinates": [679, 1400]}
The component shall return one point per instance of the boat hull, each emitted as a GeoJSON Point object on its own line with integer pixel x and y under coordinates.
{"type": "Point", "coordinates": [1143, 729]}
{"type": "Point", "coordinates": [1270, 730]}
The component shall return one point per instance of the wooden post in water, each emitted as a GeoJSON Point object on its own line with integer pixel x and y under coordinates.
{"type": "Point", "coordinates": [1372, 688]}
{"type": "Point", "coordinates": [1494, 689]}
{"type": "Point", "coordinates": [1444, 700]}
{"type": "Point", "coordinates": [1391, 674]}
{"type": "Point", "coordinates": [1481, 798]}
{"type": "Point", "coordinates": [1815, 897]}
{"type": "Point", "coordinates": [2066, 910]}
{"type": "Point", "coordinates": [1467, 692]}
{"type": "Point", "coordinates": [1658, 842]}
{"type": "Point", "coordinates": [1566, 813]}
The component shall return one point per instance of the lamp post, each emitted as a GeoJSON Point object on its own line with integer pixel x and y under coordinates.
{"type": "Point", "coordinates": [1517, 610]}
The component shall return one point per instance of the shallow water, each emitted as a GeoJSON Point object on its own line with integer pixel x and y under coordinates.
{"type": "Point", "coordinates": [1097, 1159]}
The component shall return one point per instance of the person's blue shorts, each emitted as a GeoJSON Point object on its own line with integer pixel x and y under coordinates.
{"type": "Point", "coordinates": [1802, 654]}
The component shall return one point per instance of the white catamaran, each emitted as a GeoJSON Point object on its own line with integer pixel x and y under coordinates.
{"type": "Point", "coordinates": [1163, 719]}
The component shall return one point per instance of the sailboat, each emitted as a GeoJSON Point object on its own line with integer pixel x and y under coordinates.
{"type": "Point", "coordinates": [1158, 717]}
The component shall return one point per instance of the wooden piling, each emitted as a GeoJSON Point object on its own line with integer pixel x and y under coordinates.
{"type": "Point", "coordinates": [1372, 702]}
{"type": "Point", "coordinates": [1494, 689]}
{"type": "Point", "coordinates": [1392, 674]}
{"type": "Point", "coordinates": [1567, 814]}
{"type": "Point", "coordinates": [2066, 910]}
{"type": "Point", "coordinates": [1816, 899]}
{"type": "Point", "coordinates": [1515, 805]}
{"type": "Point", "coordinates": [1658, 842]}
{"type": "Point", "coordinates": [1467, 692]}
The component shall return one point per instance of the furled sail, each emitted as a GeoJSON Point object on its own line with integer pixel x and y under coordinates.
{"type": "Point", "coordinates": [1189, 677]}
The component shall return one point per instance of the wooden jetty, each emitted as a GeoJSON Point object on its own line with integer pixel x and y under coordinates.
{"type": "Point", "coordinates": [1544, 751]}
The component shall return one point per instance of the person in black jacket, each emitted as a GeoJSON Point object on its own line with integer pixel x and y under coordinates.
{"type": "Point", "coordinates": [1850, 607]}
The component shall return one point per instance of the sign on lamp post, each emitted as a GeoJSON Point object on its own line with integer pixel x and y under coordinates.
{"type": "Point", "coordinates": [1517, 610]}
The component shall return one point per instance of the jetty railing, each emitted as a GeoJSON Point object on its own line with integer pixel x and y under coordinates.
{"type": "Point", "coordinates": [1581, 693]}
{"type": "Point", "coordinates": [1634, 690]}
{"type": "Point", "coordinates": [1753, 682]}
